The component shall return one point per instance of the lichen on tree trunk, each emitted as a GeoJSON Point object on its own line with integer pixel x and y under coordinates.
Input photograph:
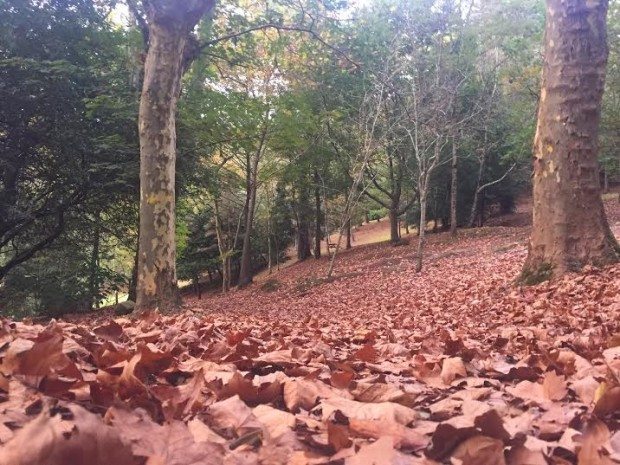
{"type": "Point", "coordinates": [570, 229]}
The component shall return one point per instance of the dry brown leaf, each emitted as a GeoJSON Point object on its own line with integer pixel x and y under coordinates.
{"type": "Point", "coordinates": [403, 437]}
{"type": "Point", "coordinates": [364, 411]}
{"type": "Point", "coordinates": [304, 393]}
{"type": "Point", "coordinates": [554, 386]}
{"type": "Point", "coordinates": [381, 452]}
{"type": "Point", "coordinates": [452, 368]}
{"type": "Point", "coordinates": [595, 446]}
{"type": "Point", "coordinates": [480, 450]}
{"type": "Point", "coordinates": [277, 422]}
{"type": "Point", "coordinates": [62, 436]}
{"type": "Point", "coordinates": [521, 455]}
{"type": "Point", "coordinates": [338, 436]}
{"type": "Point", "coordinates": [233, 415]}
{"type": "Point", "coordinates": [169, 444]}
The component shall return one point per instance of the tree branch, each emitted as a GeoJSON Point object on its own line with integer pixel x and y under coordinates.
{"type": "Point", "coordinates": [489, 184]}
{"type": "Point", "coordinates": [279, 27]}
{"type": "Point", "coordinates": [29, 253]}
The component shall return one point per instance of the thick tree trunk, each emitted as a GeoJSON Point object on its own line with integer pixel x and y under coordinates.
{"type": "Point", "coordinates": [157, 280]}
{"type": "Point", "coordinates": [569, 228]}
{"type": "Point", "coordinates": [170, 24]}
{"type": "Point", "coordinates": [394, 227]}
{"type": "Point", "coordinates": [317, 223]}
{"type": "Point", "coordinates": [453, 190]}
{"type": "Point", "coordinates": [303, 240]}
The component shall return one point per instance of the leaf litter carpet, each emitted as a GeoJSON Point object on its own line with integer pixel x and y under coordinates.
{"type": "Point", "coordinates": [379, 366]}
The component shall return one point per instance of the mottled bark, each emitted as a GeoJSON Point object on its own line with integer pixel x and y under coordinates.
{"type": "Point", "coordinates": [570, 229]}
{"type": "Point", "coordinates": [170, 24]}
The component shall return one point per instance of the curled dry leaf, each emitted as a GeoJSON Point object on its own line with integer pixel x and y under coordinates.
{"type": "Point", "coordinates": [452, 368]}
{"type": "Point", "coordinates": [233, 415]}
{"type": "Point", "coordinates": [480, 450]}
{"type": "Point", "coordinates": [364, 411]}
{"type": "Point", "coordinates": [402, 437]}
{"type": "Point", "coordinates": [305, 393]}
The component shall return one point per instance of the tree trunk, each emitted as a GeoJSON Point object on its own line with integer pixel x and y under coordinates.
{"type": "Point", "coordinates": [349, 238]}
{"type": "Point", "coordinates": [421, 231]}
{"type": "Point", "coordinates": [133, 282]}
{"type": "Point", "coordinates": [394, 227]}
{"type": "Point", "coordinates": [94, 266]}
{"type": "Point", "coordinates": [569, 228]}
{"type": "Point", "coordinates": [317, 225]}
{"type": "Point", "coordinates": [170, 25]}
{"type": "Point", "coordinates": [303, 240]}
{"type": "Point", "coordinates": [246, 271]}
{"type": "Point", "coordinates": [157, 280]}
{"type": "Point", "coordinates": [453, 190]}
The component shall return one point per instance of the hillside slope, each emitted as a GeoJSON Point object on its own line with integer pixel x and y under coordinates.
{"type": "Point", "coordinates": [380, 365]}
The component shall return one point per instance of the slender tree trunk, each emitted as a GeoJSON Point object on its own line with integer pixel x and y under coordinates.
{"type": "Point", "coordinates": [246, 271]}
{"type": "Point", "coordinates": [157, 280]}
{"type": "Point", "coordinates": [349, 238]}
{"type": "Point", "coordinates": [317, 224]}
{"type": "Point", "coordinates": [605, 181]}
{"type": "Point", "coordinates": [222, 247]}
{"type": "Point", "coordinates": [269, 261]}
{"type": "Point", "coordinates": [94, 266]}
{"type": "Point", "coordinates": [421, 230]}
{"type": "Point", "coordinates": [454, 191]}
{"type": "Point", "coordinates": [476, 203]}
{"type": "Point", "coordinates": [133, 282]}
{"type": "Point", "coordinates": [569, 228]}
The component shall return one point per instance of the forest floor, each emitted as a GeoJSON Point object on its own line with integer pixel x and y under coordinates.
{"type": "Point", "coordinates": [379, 365]}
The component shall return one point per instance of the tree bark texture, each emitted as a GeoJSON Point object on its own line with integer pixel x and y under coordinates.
{"type": "Point", "coordinates": [570, 228]}
{"type": "Point", "coordinates": [170, 24]}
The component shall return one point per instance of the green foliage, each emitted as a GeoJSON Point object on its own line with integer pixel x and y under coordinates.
{"type": "Point", "coordinates": [70, 86]}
